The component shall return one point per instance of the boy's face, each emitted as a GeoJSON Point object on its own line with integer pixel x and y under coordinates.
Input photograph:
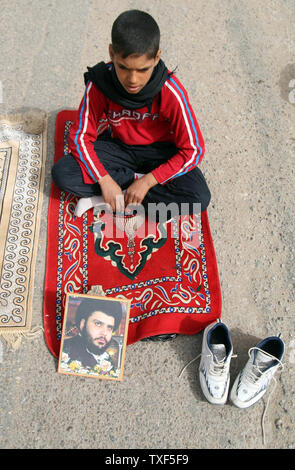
{"type": "Point", "coordinates": [134, 71]}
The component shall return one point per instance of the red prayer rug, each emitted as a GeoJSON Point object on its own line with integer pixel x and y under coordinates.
{"type": "Point", "coordinates": [168, 270]}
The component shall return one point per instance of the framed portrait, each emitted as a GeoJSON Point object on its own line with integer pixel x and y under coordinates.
{"type": "Point", "coordinates": [94, 336]}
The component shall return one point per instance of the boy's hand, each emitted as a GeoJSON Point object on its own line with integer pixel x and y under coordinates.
{"type": "Point", "coordinates": [112, 193]}
{"type": "Point", "coordinates": [136, 192]}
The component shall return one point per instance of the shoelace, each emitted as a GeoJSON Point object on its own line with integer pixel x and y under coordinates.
{"type": "Point", "coordinates": [253, 374]}
{"type": "Point", "coordinates": [188, 364]}
{"type": "Point", "coordinates": [216, 366]}
{"type": "Point", "coordinates": [267, 354]}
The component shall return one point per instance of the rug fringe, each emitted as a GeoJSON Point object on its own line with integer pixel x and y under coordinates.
{"type": "Point", "coordinates": [14, 340]}
{"type": "Point", "coordinates": [32, 121]}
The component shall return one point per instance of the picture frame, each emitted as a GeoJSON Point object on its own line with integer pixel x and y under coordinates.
{"type": "Point", "coordinates": [94, 336]}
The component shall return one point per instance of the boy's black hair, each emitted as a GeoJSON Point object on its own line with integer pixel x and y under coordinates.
{"type": "Point", "coordinates": [135, 32]}
{"type": "Point", "coordinates": [109, 307]}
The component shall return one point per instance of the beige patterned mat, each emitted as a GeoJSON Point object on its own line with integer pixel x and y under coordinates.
{"type": "Point", "coordinates": [22, 168]}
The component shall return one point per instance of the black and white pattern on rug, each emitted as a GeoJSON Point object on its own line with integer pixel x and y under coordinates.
{"type": "Point", "coordinates": [22, 162]}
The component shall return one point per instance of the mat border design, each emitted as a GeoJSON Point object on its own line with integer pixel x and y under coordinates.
{"type": "Point", "coordinates": [16, 138]}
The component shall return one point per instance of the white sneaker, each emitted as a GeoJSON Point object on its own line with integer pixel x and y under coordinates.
{"type": "Point", "coordinates": [252, 382]}
{"type": "Point", "coordinates": [214, 366]}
